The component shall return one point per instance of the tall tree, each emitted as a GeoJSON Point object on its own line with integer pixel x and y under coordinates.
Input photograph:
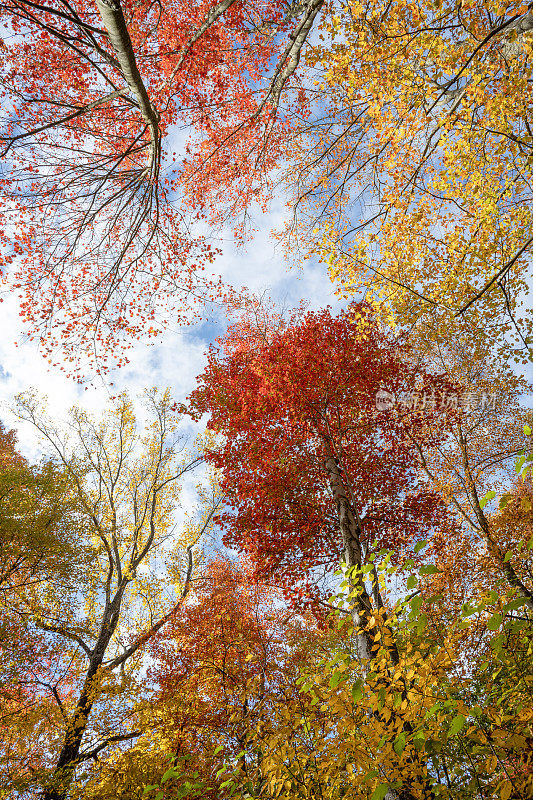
{"type": "Point", "coordinates": [479, 455]}
{"type": "Point", "coordinates": [414, 179]}
{"type": "Point", "coordinates": [309, 458]}
{"type": "Point", "coordinates": [219, 666]}
{"type": "Point", "coordinates": [100, 241]}
{"type": "Point", "coordinates": [126, 485]}
{"type": "Point", "coordinates": [314, 468]}
{"type": "Point", "coordinates": [436, 725]}
{"type": "Point", "coordinates": [41, 545]}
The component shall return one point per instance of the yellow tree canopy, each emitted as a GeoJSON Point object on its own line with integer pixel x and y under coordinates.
{"type": "Point", "coordinates": [416, 173]}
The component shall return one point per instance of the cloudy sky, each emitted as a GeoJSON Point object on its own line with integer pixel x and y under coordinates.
{"type": "Point", "coordinates": [173, 362]}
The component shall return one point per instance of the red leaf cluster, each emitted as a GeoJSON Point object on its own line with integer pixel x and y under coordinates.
{"type": "Point", "coordinates": [102, 236]}
{"type": "Point", "coordinates": [285, 401]}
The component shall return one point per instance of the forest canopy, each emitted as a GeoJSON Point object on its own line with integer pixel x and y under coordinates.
{"type": "Point", "coordinates": [304, 572]}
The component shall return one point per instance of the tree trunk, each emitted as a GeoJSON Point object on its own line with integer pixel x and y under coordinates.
{"type": "Point", "coordinates": [59, 784]}
{"type": "Point", "coordinates": [350, 526]}
{"type": "Point", "coordinates": [351, 537]}
{"type": "Point", "coordinates": [115, 25]}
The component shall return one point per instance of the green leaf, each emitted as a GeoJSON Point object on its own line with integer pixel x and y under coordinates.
{"type": "Point", "coordinates": [504, 500]}
{"type": "Point", "coordinates": [494, 622]}
{"type": "Point", "coordinates": [335, 679]}
{"type": "Point", "coordinates": [399, 744]}
{"type": "Point", "coordinates": [411, 582]}
{"type": "Point", "coordinates": [421, 622]}
{"type": "Point", "coordinates": [420, 545]}
{"type": "Point", "coordinates": [419, 740]}
{"type": "Point", "coordinates": [416, 603]}
{"type": "Point", "coordinates": [433, 746]}
{"type": "Point", "coordinates": [457, 724]}
{"type": "Point", "coordinates": [170, 773]}
{"type": "Point", "coordinates": [380, 791]}
{"type": "Point", "coordinates": [489, 496]}
{"type": "Point", "coordinates": [514, 605]}
{"type": "Point", "coordinates": [527, 430]}
{"type": "Point", "coordinates": [221, 747]}
{"type": "Point", "coordinates": [357, 690]}
{"type": "Point", "coordinates": [429, 569]}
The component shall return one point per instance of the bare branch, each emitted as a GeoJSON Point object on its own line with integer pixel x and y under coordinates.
{"type": "Point", "coordinates": [119, 737]}
{"type": "Point", "coordinates": [147, 635]}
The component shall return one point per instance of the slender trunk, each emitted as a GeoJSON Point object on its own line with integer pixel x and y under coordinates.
{"type": "Point", "coordinates": [61, 779]}
{"type": "Point", "coordinates": [351, 537]}
{"type": "Point", "coordinates": [506, 567]}
{"type": "Point", "coordinates": [350, 526]}
{"type": "Point", "coordinates": [68, 757]}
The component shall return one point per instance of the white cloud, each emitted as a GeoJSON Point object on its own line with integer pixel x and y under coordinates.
{"type": "Point", "coordinates": [178, 358]}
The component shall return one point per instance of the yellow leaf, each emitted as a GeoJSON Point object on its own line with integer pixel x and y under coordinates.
{"type": "Point", "coordinates": [506, 789]}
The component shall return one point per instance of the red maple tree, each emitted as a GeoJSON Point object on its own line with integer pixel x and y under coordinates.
{"type": "Point", "coordinates": [303, 445]}
{"type": "Point", "coordinates": [222, 662]}
{"type": "Point", "coordinates": [102, 241]}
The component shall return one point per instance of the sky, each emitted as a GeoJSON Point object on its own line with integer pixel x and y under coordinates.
{"type": "Point", "coordinates": [173, 362]}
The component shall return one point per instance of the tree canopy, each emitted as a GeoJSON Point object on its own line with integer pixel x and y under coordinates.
{"type": "Point", "coordinates": [312, 578]}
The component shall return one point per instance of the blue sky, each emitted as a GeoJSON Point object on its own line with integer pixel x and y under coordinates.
{"type": "Point", "coordinates": [179, 357]}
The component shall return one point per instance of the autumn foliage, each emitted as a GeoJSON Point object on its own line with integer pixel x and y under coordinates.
{"type": "Point", "coordinates": [103, 236]}
{"type": "Point", "coordinates": [414, 181]}
{"type": "Point", "coordinates": [284, 402]}
{"type": "Point", "coordinates": [339, 603]}
{"type": "Point", "coordinates": [224, 661]}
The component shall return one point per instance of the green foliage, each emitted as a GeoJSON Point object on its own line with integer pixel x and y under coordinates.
{"type": "Point", "coordinates": [416, 720]}
{"type": "Point", "coordinates": [176, 782]}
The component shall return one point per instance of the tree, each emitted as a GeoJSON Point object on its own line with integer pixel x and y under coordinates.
{"type": "Point", "coordinates": [126, 486]}
{"type": "Point", "coordinates": [41, 543]}
{"type": "Point", "coordinates": [436, 725]}
{"type": "Point", "coordinates": [219, 666]}
{"type": "Point", "coordinates": [38, 520]}
{"type": "Point", "coordinates": [314, 469]}
{"type": "Point", "coordinates": [414, 179]}
{"type": "Point", "coordinates": [306, 449]}
{"type": "Point", "coordinates": [208, 658]}
{"type": "Point", "coordinates": [101, 242]}
{"type": "Point", "coordinates": [478, 457]}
